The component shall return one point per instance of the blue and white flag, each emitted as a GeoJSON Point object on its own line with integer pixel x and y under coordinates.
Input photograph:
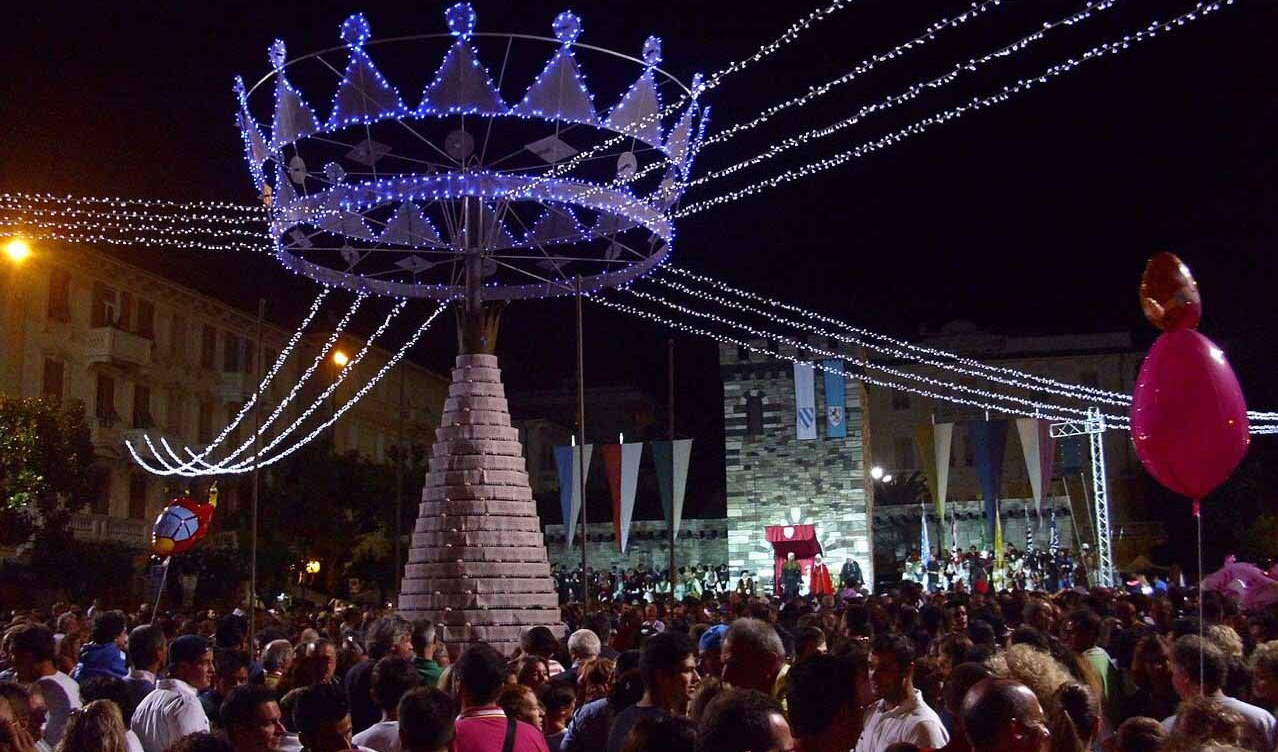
{"type": "Point", "coordinates": [805, 400]}
{"type": "Point", "coordinates": [836, 413]}
{"type": "Point", "coordinates": [1054, 535]}
{"type": "Point", "coordinates": [925, 546]}
{"type": "Point", "coordinates": [569, 461]}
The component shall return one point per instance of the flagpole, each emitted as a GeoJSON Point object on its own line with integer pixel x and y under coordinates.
{"type": "Point", "coordinates": [581, 449]}
{"type": "Point", "coordinates": [670, 406]}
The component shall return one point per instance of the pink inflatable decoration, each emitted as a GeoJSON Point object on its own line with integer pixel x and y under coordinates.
{"type": "Point", "coordinates": [1247, 584]}
{"type": "Point", "coordinates": [1189, 419]}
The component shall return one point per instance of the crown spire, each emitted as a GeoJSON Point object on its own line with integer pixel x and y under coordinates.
{"type": "Point", "coordinates": [363, 96]}
{"type": "Point", "coordinates": [559, 93]}
{"type": "Point", "coordinates": [461, 85]}
{"type": "Point", "coordinates": [294, 119]}
{"type": "Point", "coordinates": [639, 111]}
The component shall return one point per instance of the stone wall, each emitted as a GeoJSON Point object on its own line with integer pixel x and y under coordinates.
{"type": "Point", "coordinates": [703, 542]}
{"type": "Point", "coordinates": [775, 479]}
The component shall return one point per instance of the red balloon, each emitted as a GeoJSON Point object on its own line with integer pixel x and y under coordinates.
{"type": "Point", "coordinates": [1189, 419]}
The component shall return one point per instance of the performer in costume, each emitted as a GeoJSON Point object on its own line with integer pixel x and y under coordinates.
{"type": "Point", "coordinates": [819, 581]}
{"type": "Point", "coordinates": [850, 577]}
{"type": "Point", "coordinates": [791, 577]}
{"type": "Point", "coordinates": [745, 585]}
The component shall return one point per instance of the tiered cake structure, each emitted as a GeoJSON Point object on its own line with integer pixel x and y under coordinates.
{"type": "Point", "coordinates": [477, 566]}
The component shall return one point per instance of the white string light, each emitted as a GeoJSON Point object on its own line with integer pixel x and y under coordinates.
{"type": "Point", "coordinates": [181, 466]}
{"type": "Point", "coordinates": [900, 348]}
{"type": "Point", "coordinates": [124, 203]}
{"type": "Point", "coordinates": [911, 93]}
{"type": "Point", "coordinates": [1027, 406]}
{"type": "Point", "coordinates": [1200, 10]}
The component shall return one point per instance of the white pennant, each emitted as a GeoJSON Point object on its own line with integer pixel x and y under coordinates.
{"type": "Point", "coordinates": [943, 439]}
{"type": "Point", "coordinates": [1028, 430]}
{"type": "Point", "coordinates": [630, 456]}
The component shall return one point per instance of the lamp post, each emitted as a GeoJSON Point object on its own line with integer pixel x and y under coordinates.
{"type": "Point", "coordinates": [340, 360]}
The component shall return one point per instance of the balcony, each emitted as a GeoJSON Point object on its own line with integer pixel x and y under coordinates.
{"type": "Point", "coordinates": [106, 431]}
{"type": "Point", "coordinates": [236, 387]}
{"type": "Point", "coordinates": [101, 527]}
{"type": "Point", "coordinates": [108, 345]}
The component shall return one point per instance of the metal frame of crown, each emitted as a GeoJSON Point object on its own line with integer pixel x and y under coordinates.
{"type": "Point", "coordinates": [553, 194]}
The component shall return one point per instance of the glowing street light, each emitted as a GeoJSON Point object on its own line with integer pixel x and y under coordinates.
{"type": "Point", "coordinates": [340, 358]}
{"type": "Point", "coordinates": [876, 472]}
{"type": "Point", "coordinates": [887, 478]}
{"type": "Point", "coordinates": [18, 250]}
{"type": "Point", "coordinates": [312, 567]}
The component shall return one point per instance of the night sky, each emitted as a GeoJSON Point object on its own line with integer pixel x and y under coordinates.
{"type": "Point", "coordinates": [1035, 216]}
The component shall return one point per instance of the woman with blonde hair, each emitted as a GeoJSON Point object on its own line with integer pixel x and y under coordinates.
{"type": "Point", "coordinates": [97, 727]}
{"type": "Point", "coordinates": [594, 680]}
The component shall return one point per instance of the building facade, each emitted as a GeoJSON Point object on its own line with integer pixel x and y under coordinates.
{"type": "Point", "coordinates": [146, 355]}
{"type": "Point", "coordinates": [773, 478]}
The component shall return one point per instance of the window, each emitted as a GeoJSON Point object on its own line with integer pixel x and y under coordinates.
{"type": "Point", "coordinates": [124, 319]}
{"type": "Point", "coordinates": [204, 428]}
{"type": "Point", "coordinates": [104, 404]}
{"type": "Point", "coordinates": [54, 371]}
{"type": "Point", "coordinates": [232, 349]}
{"type": "Point", "coordinates": [173, 413]}
{"type": "Point", "coordinates": [102, 500]}
{"type": "Point", "coordinates": [208, 347]}
{"type": "Point", "coordinates": [142, 407]}
{"type": "Point", "coordinates": [754, 415]}
{"type": "Point", "coordinates": [105, 308]}
{"type": "Point", "coordinates": [145, 319]}
{"type": "Point", "coordinates": [137, 496]}
{"type": "Point", "coordinates": [900, 400]}
{"type": "Point", "coordinates": [903, 453]}
{"type": "Point", "coordinates": [60, 295]}
{"type": "Point", "coordinates": [177, 339]}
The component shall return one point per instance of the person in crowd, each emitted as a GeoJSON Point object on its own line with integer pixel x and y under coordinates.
{"type": "Point", "coordinates": [1264, 675]}
{"type": "Point", "coordinates": [392, 679]}
{"type": "Point", "coordinates": [323, 718]}
{"type": "Point", "coordinates": [710, 651]}
{"type": "Point", "coordinates": [173, 710]}
{"type": "Point", "coordinates": [542, 642]}
{"type": "Point", "coordinates": [97, 727]}
{"type": "Point", "coordinates": [1082, 630]}
{"type": "Point", "coordinates": [1073, 718]}
{"type": "Point", "coordinates": [27, 711]}
{"type": "Point", "coordinates": [202, 741]}
{"type": "Point", "coordinates": [1203, 721]}
{"type": "Point", "coordinates": [669, 733]}
{"type": "Point", "coordinates": [601, 625]}
{"type": "Point", "coordinates": [588, 729]}
{"type": "Point", "coordinates": [744, 720]}
{"type": "Point", "coordinates": [667, 667]}
{"type": "Point", "coordinates": [14, 736]}
{"type": "Point", "coordinates": [1147, 685]}
{"type": "Point", "coordinates": [962, 678]}
{"type": "Point", "coordinates": [595, 680]}
{"type": "Point", "coordinates": [230, 670]}
{"type": "Point", "coordinates": [113, 690]}
{"type": "Point", "coordinates": [1198, 670]}
{"type": "Point", "coordinates": [424, 645]}
{"type": "Point", "coordinates": [583, 646]}
{"type": "Point", "coordinates": [31, 648]}
{"type": "Point", "coordinates": [426, 720]}
{"type": "Point", "coordinates": [825, 709]}
{"type": "Point", "coordinates": [277, 656]}
{"type": "Point", "coordinates": [482, 726]}
{"type": "Point", "coordinates": [532, 671]}
{"type": "Point", "coordinates": [390, 635]}
{"type": "Point", "coordinates": [752, 655]}
{"type": "Point", "coordinates": [148, 650]}
{"type": "Point", "coordinates": [899, 713]}
{"type": "Point", "coordinates": [521, 703]}
{"type": "Point", "coordinates": [810, 641]}
{"type": "Point", "coordinates": [558, 701]}
{"type": "Point", "coordinates": [1003, 715]}
{"type": "Point", "coordinates": [1138, 734]}
{"type": "Point", "coordinates": [67, 653]}
{"type": "Point", "coordinates": [251, 719]}
{"type": "Point", "coordinates": [103, 655]}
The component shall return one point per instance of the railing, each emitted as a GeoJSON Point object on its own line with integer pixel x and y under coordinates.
{"type": "Point", "coordinates": [101, 527]}
{"type": "Point", "coordinates": [106, 344]}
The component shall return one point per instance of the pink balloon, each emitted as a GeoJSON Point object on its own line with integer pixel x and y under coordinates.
{"type": "Point", "coordinates": [1189, 420]}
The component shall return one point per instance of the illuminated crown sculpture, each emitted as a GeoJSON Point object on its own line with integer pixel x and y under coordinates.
{"type": "Point", "coordinates": [391, 197]}
{"type": "Point", "coordinates": [472, 196]}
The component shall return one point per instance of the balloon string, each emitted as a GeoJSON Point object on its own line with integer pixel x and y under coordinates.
{"type": "Point", "coordinates": [164, 576]}
{"type": "Point", "coordinates": [1198, 515]}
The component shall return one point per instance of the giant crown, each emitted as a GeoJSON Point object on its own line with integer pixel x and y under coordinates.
{"type": "Point", "coordinates": [549, 193]}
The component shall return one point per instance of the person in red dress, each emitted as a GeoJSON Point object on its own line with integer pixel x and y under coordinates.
{"type": "Point", "coordinates": [819, 582]}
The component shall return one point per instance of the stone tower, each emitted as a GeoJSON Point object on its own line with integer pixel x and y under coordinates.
{"type": "Point", "coordinates": [775, 479]}
{"type": "Point", "coordinates": [477, 566]}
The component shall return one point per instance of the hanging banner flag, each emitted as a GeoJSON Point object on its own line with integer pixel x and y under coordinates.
{"type": "Point", "coordinates": [943, 439]}
{"type": "Point", "coordinates": [1039, 449]}
{"type": "Point", "coordinates": [1029, 531]}
{"type": "Point", "coordinates": [924, 448]}
{"type": "Point", "coordinates": [569, 461]}
{"type": "Point", "coordinates": [836, 411]}
{"type": "Point", "coordinates": [805, 400]}
{"type": "Point", "coordinates": [989, 442]}
{"type": "Point", "coordinates": [671, 461]}
{"type": "Point", "coordinates": [621, 463]}
{"type": "Point", "coordinates": [925, 546]}
{"type": "Point", "coordinates": [1053, 535]}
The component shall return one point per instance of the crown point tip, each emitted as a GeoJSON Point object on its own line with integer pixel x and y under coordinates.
{"type": "Point", "coordinates": [567, 27]}
{"type": "Point", "coordinates": [461, 19]}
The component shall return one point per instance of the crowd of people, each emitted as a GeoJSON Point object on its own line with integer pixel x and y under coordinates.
{"type": "Point", "coordinates": [1010, 670]}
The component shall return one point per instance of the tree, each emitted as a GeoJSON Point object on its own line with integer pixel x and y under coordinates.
{"type": "Point", "coordinates": [46, 470]}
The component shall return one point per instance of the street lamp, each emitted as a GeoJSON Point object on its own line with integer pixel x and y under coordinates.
{"type": "Point", "coordinates": [876, 472]}
{"type": "Point", "coordinates": [340, 358]}
{"type": "Point", "coordinates": [18, 250]}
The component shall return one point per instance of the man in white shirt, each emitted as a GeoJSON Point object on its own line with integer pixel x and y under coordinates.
{"type": "Point", "coordinates": [900, 714]}
{"type": "Point", "coordinates": [1192, 656]}
{"type": "Point", "coordinates": [393, 677]}
{"type": "Point", "coordinates": [173, 709]}
{"type": "Point", "coordinates": [32, 650]}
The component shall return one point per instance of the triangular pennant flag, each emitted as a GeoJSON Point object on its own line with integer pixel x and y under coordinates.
{"type": "Point", "coordinates": [559, 93]}
{"type": "Point", "coordinates": [569, 461]}
{"type": "Point", "coordinates": [671, 461]}
{"type": "Point", "coordinates": [294, 119]}
{"type": "Point", "coordinates": [408, 226]}
{"type": "Point", "coordinates": [363, 96]}
{"type": "Point", "coordinates": [989, 442]}
{"type": "Point", "coordinates": [638, 112]}
{"type": "Point", "coordinates": [556, 225]}
{"type": "Point", "coordinates": [942, 441]}
{"type": "Point", "coordinates": [461, 85]}
{"type": "Point", "coordinates": [679, 138]}
{"type": "Point", "coordinates": [621, 462]}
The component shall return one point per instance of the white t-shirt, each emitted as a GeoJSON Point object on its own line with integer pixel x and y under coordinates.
{"type": "Point", "coordinates": [170, 712]}
{"type": "Point", "coordinates": [382, 736]}
{"type": "Point", "coordinates": [61, 696]}
{"type": "Point", "coordinates": [911, 721]}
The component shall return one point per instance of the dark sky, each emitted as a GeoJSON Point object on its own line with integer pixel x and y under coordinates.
{"type": "Point", "coordinates": [1035, 216]}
